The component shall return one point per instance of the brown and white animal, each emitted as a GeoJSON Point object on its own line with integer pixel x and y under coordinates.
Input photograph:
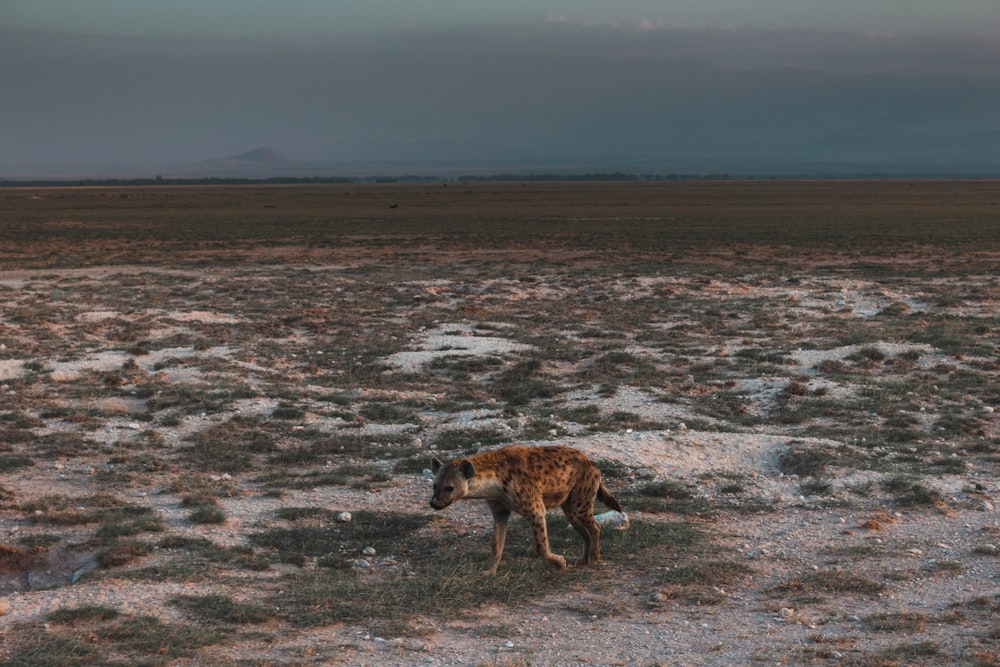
{"type": "Point", "coordinates": [528, 480]}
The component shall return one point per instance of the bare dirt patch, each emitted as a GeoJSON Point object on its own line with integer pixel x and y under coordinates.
{"type": "Point", "coordinates": [790, 388]}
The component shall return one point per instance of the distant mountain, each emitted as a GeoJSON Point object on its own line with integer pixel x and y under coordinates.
{"type": "Point", "coordinates": [256, 163]}
{"type": "Point", "coordinates": [258, 157]}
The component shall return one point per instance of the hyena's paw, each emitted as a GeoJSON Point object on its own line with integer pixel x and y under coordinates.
{"type": "Point", "coordinates": [558, 562]}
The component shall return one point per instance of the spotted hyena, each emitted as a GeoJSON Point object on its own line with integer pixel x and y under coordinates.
{"type": "Point", "coordinates": [528, 480]}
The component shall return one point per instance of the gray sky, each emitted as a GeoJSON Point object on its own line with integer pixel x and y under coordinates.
{"type": "Point", "coordinates": [135, 87]}
{"type": "Point", "coordinates": [212, 18]}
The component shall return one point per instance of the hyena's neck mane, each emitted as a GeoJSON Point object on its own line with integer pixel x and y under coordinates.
{"type": "Point", "coordinates": [490, 467]}
{"type": "Point", "coordinates": [508, 458]}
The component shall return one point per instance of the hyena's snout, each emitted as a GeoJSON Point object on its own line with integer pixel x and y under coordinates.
{"type": "Point", "coordinates": [439, 503]}
{"type": "Point", "coordinates": [444, 495]}
{"type": "Point", "coordinates": [449, 484]}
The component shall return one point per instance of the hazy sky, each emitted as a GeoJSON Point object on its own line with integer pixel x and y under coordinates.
{"type": "Point", "coordinates": [332, 17]}
{"type": "Point", "coordinates": [122, 87]}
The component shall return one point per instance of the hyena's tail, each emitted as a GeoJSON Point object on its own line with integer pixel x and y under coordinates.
{"type": "Point", "coordinates": [605, 496]}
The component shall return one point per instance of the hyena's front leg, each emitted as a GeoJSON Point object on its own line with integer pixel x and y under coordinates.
{"type": "Point", "coordinates": [501, 515]}
{"type": "Point", "coordinates": [537, 520]}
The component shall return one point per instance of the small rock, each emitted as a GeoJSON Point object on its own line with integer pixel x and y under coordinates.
{"type": "Point", "coordinates": [786, 612]}
{"type": "Point", "coordinates": [344, 517]}
{"type": "Point", "coordinates": [986, 506]}
{"type": "Point", "coordinates": [508, 644]}
{"type": "Point", "coordinates": [682, 426]}
{"type": "Point", "coordinates": [613, 519]}
{"type": "Point", "coordinates": [368, 552]}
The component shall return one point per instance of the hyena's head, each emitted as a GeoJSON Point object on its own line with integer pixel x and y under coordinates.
{"type": "Point", "coordinates": [451, 481]}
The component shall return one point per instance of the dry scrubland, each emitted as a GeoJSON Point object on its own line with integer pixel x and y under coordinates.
{"type": "Point", "coordinates": [792, 388]}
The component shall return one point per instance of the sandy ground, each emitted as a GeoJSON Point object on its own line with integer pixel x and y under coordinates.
{"type": "Point", "coordinates": [938, 562]}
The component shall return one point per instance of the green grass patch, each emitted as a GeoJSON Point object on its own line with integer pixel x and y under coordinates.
{"type": "Point", "coordinates": [306, 513]}
{"type": "Point", "coordinates": [208, 515]}
{"type": "Point", "coordinates": [82, 614]}
{"type": "Point", "coordinates": [118, 553]}
{"type": "Point", "coordinates": [203, 549]}
{"type": "Point", "coordinates": [33, 646]}
{"type": "Point", "coordinates": [908, 490]}
{"type": "Point", "coordinates": [192, 399]}
{"type": "Point", "coordinates": [355, 445]}
{"type": "Point", "coordinates": [388, 413]}
{"type": "Point", "coordinates": [523, 383]}
{"type": "Point", "coordinates": [12, 462]}
{"type": "Point", "coordinates": [900, 621]}
{"type": "Point", "coordinates": [332, 544]}
{"type": "Point", "coordinates": [446, 584]}
{"type": "Point", "coordinates": [466, 439]}
{"type": "Point", "coordinates": [354, 475]}
{"type": "Point", "coordinates": [711, 572]}
{"type": "Point", "coordinates": [215, 609]}
{"type": "Point", "coordinates": [833, 580]}
{"type": "Point", "coordinates": [230, 446]}
{"type": "Point", "coordinates": [204, 508]}
{"type": "Point", "coordinates": [662, 497]}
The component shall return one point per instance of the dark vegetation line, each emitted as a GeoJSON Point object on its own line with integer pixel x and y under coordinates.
{"type": "Point", "coordinates": [495, 178]}
{"type": "Point", "coordinates": [405, 178]}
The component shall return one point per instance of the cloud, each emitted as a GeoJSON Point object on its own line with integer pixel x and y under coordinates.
{"type": "Point", "coordinates": [647, 24]}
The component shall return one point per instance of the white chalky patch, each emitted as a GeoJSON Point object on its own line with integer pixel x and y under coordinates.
{"type": "Point", "coordinates": [450, 341]}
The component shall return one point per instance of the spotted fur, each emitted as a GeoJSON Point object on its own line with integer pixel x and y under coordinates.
{"type": "Point", "coordinates": [528, 481]}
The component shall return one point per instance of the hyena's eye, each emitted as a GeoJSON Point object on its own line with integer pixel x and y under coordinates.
{"type": "Point", "coordinates": [449, 489]}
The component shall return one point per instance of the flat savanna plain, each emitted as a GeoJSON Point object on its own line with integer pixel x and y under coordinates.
{"type": "Point", "coordinates": [790, 386]}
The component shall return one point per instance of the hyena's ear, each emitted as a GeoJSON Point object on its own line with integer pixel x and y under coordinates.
{"type": "Point", "coordinates": [436, 465]}
{"type": "Point", "coordinates": [468, 469]}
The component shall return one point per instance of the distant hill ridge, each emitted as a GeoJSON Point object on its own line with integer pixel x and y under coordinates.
{"type": "Point", "coordinates": [257, 156]}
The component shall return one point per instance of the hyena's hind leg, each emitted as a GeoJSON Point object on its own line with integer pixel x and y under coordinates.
{"type": "Point", "coordinates": [579, 509]}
